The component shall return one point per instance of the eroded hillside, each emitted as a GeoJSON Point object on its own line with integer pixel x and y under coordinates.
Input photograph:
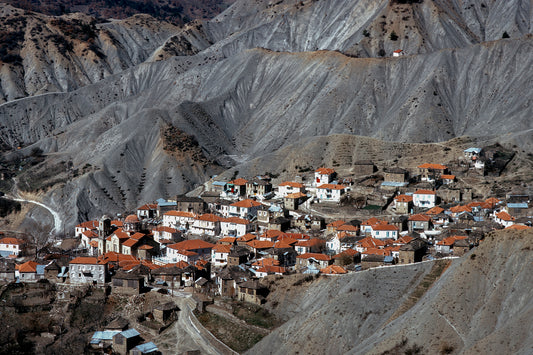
{"type": "Point", "coordinates": [479, 304]}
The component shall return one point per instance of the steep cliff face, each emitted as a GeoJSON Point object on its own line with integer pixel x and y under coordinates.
{"type": "Point", "coordinates": [479, 304]}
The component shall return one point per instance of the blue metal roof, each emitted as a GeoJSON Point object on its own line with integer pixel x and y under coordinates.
{"type": "Point", "coordinates": [517, 205]}
{"type": "Point", "coordinates": [103, 335]}
{"type": "Point", "coordinates": [388, 259]}
{"type": "Point", "coordinates": [5, 253]}
{"type": "Point", "coordinates": [130, 333]}
{"type": "Point", "coordinates": [40, 269]}
{"type": "Point", "coordinates": [394, 183]}
{"type": "Point", "coordinates": [147, 348]}
{"type": "Point", "coordinates": [219, 183]}
{"type": "Point", "coordinates": [473, 150]}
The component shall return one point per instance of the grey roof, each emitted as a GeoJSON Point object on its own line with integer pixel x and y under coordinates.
{"type": "Point", "coordinates": [473, 150]}
{"type": "Point", "coordinates": [394, 183]}
{"type": "Point", "coordinates": [103, 335]}
{"type": "Point", "coordinates": [130, 333]}
{"type": "Point", "coordinates": [147, 348]}
{"type": "Point", "coordinates": [518, 205]}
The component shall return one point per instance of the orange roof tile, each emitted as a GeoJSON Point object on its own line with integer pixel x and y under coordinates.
{"type": "Point", "coordinates": [148, 206]}
{"type": "Point", "coordinates": [424, 192]}
{"type": "Point", "coordinates": [492, 201]}
{"type": "Point", "coordinates": [505, 216]}
{"type": "Point", "coordinates": [404, 240]}
{"type": "Point", "coordinates": [260, 244]}
{"type": "Point", "coordinates": [459, 209]}
{"type": "Point", "coordinates": [88, 225]}
{"type": "Point", "coordinates": [310, 243]}
{"type": "Point", "coordinates": [247, 237]}
{"type": "Point", "coordinates": [130, 242]}
{"type": "Point", "coordinates": [192, 244]}
{"type": "Point", "coordinates": [239, 182]}
{"type": "Point", "coordinates": [450, 240]}
{"type": "Point", "coordinates": [28, 266]}
{"type": "Point", "coordinates": [165, 229]}
{"type": "Point", "coordinates": [272, 269]}
{"type": "Point", "coordinates": [347, 228]}
{"type": "Point", "coordinates": [518, 227]}
{"type": "Point", "coordinates": [370, 242]}
{"type": "Point", "coordinates": [384, 227]}
{"type": "Point", "coordinates": [85, 260]}
{"type": "Point", "coordinates": [324, 171]}
{"type": "Point", "coordinates": [433, 166]}
{"type": "Point", "coordinates": [11, 241]}
{"type": "Point", "coordinates": [235, 220]}
{"type": "Point", "coordinates": [317, 256]}
{"type": "Point", "coordinates": [435, 211]}
{"type": "Point", "coordinates": [180, 214]}
{"type": "Point", "coordinates": [373, 221]}
{"type": "Point", "coordinates": [448, 177]}
{"type": "Point", "coordinates": [404, 198]}
{"type": "Point", "coordinates": [331, 187]}
{"type": "Point", "coordinates": [222, 248]}
{"type": "Point", "coordinates": [296, 195]}
{"type": "Point", "coordinates": [348, 252]}
{"type": "Point", "coordinates": [146, 247]}
{"type": "Point", "coordinates": [333, 270]}
{"type": "Point", "coordinates": [209, 218]}
{"type": "Point", "coordinates": [248, 203]}
{"type": "Point", "coordinates": [376, 251]}
{"type": "Point", "coordinates": [227, 240]}
{"type": "Point", "coordinates": [266, 262]}
{"type": "Point", "coordinates": [419, 218]}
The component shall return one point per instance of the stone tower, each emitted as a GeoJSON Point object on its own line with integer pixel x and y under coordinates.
{"type": "Point", "coordinates": [104, 230]}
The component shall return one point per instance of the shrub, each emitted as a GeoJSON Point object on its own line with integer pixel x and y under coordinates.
{"type": "Point", "coordinates": [393, 36]}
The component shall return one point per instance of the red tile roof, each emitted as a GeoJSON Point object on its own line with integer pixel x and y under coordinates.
{"type": "Point", "coordinates": [435, 211]}
{"type": "Point", "coordinates": [260, 244]}
{"type": "Point", "coordinates": [317, 256]}
{"type": "Point", "coordinates": [28, 266]}
{"type": "Point", "coordinates": [247, 237]}
{"type": "Point", "coordinates": [222, 248]}
{"type": "Point", "coordinates": [419, 218]}
{"type": "Point", "coordinates": [271, 269]}
{"type": "Point", "coordinates": [192, 244]}
{"type": "Point", "coordinates": [148, 206]}
{"type": "Point", "coordinates": [235, 220]}
{"type": "Point", "coordinates": [333, 270]}
{"type": "Point", "coordinates": [209, 218]}
{"type": "Point", "coordinates": [384, 227]}
{"type": "Point", "coordinates": [331, 187]}
{"type": "Point", "coordinates": [424, 192]}
{"type": "Point", "coordinates": [450, 240]}
{"type": "Point", "coordinates": [518, 227]}
{"type": "Point", "coordinates": [88, 225]}
{"type": "Point", "coordinates": [296, 195]}
{"type": "Point", "coordinates": [505, 216]}
{"type": "Point", "coordinates": [180, 214]}
{"type": "Point", "coordinates": [266, 262]}
{"type": "Point", "coordinates": [433, 166]}
{"type": "Point", "coordinates": [85, 260]}
{"type": "Point", "coordinates": [324, 171]}
{"type": "Point", "coordinates": [238, 182]}
{"type": "Point", "coordinates": [11, 241]}
{"type": "Point", "coordinates": [336, 224]}
{"type": "Point", "coordinates": [404, 198]}
{"type": "Point", "coordinates": [248, 203]}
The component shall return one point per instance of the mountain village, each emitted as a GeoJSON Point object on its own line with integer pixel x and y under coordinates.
{"type": "Point", "coordinates": [223, 242]}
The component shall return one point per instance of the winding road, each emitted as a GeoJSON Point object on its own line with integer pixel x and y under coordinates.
{"type": "Point", "coordinates": [58, 221]}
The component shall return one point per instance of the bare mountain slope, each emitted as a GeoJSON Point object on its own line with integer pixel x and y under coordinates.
{"type": "Point", "coordinates": [42, 54]}
{"type": "Point", "coordinates": [479, 304]}
{"type": "Point", "coordinates": [363, 28]}
{"type": "Point", "coordinates": [259, 101]}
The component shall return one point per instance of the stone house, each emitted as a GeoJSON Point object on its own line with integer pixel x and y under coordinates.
{"type": "Point", "coordinates": [190, 204]}
{"type": "Point", "coordinates": [412, 252]}
{"type": "Point", "coordinates": [126, 340]}
{"type": "Point", "coordinates": [252, 291]}
{"type": "Point", "coordinates": [258, 187]}
{"type": "Point", "coordinates": [364, 167]}
{"type": "Point", "coordinates": [324, 176]}
{"type": "Point", "coordinates": [419, 223]}
{"type": "Point", "coordinates": [87, 271]}
{"type": "Point", "coordinates": [128, 283]}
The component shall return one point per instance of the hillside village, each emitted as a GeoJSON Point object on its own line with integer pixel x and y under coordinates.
{"type": "Point", "coordinates": [221, 244]}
